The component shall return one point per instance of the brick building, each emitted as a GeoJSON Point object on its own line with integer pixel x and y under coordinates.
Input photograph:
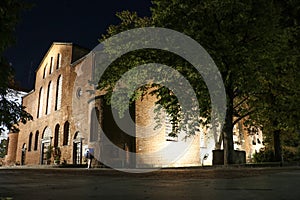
{"type": "Point", "coordinates": [69, 114]}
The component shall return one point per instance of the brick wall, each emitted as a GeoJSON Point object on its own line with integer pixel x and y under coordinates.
{"type": "Point", "coordinates": [53, 117]}
{"type": "Point", "coordinates": [10, 158]}
{"type": "Point", "coordinates": [151, 146]}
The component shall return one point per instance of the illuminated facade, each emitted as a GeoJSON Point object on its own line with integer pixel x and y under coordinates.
{"type": "Point", "coordinates": [69, 114]}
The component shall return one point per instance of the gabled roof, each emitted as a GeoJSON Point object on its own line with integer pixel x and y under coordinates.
{"type": "Point", "coordinates": [77, 52]}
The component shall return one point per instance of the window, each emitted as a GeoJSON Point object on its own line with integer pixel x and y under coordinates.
{"type": "Point", "coordinates": [58, 93]}
{"type": "Point", "coordinates": [56, 135]}
{"type": "Point", "coordinates": [79, 93]}
{"type": "Point", "coordinates": [7, 144]}
{"type": "Point", "coordinates": [30, 142]}
{"type": "Point", "coordinates": [169, 129]}
{"type": "Point", "coordinates": [203, 136]}
{"type": "Point", "coordinates": [36, 141]}
{"type": "Point", "coordinates": [51, 65]}
{"type": "Point", "coordinates": [47, 133]}
{"type": "Point", "coordinates": [40, 104]}
{"type": "Point", "coordinates": [94, 127]}
{"type": "Point", "coordinates": [44, 74]}
{"type": "Point", "coordinates": [258, 141]}
{"type": "Point", "coordinates": [66, 133]}
{"type": "Point", "coordinates": [58, 61]}
{"type": "Point", "coordinates": [49, 98]}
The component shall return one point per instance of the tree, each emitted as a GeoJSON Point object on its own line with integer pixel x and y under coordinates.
{"type": "Point", "coordinates": [10, 111]}
{"type": "Point", "coordinates": [244, 38]}
{"type": "Point", "coordinates": [3, 148]}
{"type": "Point", "coordinates": [278, 105]}
{"type": "Point", "coordinates": [165, 96]}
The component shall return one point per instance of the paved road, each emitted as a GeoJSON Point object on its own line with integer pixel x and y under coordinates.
{"type": "Point", "coordinates": [209, 184]}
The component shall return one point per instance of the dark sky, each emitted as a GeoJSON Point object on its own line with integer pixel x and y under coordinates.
{"type": "Point", "coordinates": [78, 21]}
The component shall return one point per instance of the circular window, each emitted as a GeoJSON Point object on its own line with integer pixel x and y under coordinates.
{"type": "Point", "coordinates": [78, 93]}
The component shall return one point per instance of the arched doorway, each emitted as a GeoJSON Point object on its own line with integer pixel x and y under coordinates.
{"type": "Point", "coordinates": [77, 148]}
{"type": "Point", "coordinates": [23, 154]}
{"type": "Point", "coordinates": [45, 143]}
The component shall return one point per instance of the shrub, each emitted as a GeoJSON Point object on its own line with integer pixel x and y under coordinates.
{"type": "Point", "coordinates": [266, 155]}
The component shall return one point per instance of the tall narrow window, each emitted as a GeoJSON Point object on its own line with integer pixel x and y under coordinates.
{"type": "Point", "coordinates": [169, 126]}
{"type": "Point", "coordinates": [58, 93]}
{"type": "Point", "coordinates": [56, 135]}
{"type": "Point", "coordinates": [44, 74]}
{"type": "Point", "coordinates": [7, 144]}
{"type": "Point", "coordinates": [58, 61]}
{"type": "Point", "coordinates": [29, 142]}
{"type": "Point", "coordinates": [36, 141]}
{"type": "Point", "coordinates": [51, 66]}
{"type": "Point", "coordinates": [94, 127]}
{"type": "Point", "coordinates": [49, 98]}
{"type": "Point", "coordinates": [40, 103]}
{"type": "Point", "coordinates": [66, 133]}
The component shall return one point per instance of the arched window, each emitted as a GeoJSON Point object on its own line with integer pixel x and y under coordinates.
{"type": "Point", "coordinates": [49, 98]}
{"type": "Point", "coordinates": [36, 141]}
{"type": "Point", "coordinates": [66, 133]}
{"type": "Point", "coordinates": [51, 65]}
{"type": "Point", "coordinates": [94, 127]}
{"type": "Point", "coordinates": [30, 142]}
{"type": "Point", "coordinates": [58, 93]}
{"type": "Point", "coordinates": [58, 61]}
{"type": "Point", "coordinates": [47, 133]}
{"type": "Point", "coordinates": [56, 135]}
{"type": "Point", "coordinates": [44, 74]}
{"type": "Point", "coordinates": [40, 103]}
{"type": "Point", "coordinates": [7, 144]}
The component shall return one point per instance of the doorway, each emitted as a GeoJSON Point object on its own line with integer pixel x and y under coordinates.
{"type": "Point", "coordinates": [23, 154]}
{"type": "Point", "coordinates": [77, 149]}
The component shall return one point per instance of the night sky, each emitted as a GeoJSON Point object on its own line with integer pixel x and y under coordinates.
{"type": "Point", "coordinates": [79, 21]}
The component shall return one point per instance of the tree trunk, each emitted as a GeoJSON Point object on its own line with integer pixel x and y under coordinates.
{"type": "Point", "coordinates": [227, 131]}
{"type": "Point", "coordinates": [228, 142]}
{"type": "Point", "coordinates": [277, 146]}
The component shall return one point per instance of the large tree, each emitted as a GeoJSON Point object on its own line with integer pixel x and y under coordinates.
{"type": "Point", "coordinates": [11, 112]}
{"type": "Point", "coordinates": [245, 39]}
{"type": "Point", "coordinates": [279, 103]}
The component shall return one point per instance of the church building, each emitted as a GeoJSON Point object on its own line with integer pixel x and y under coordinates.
{"type": "Point", "coordinates": [71, 117]}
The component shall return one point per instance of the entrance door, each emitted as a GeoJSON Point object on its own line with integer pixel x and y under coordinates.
{"type": "Point", "coordinates": [23, 155]}
{"type": "Point", "coordinates": [45, 146]}
{"type": "Point", "coordinates": [77, 155]}
{"type": "Point", "coordinates": [77, 149]}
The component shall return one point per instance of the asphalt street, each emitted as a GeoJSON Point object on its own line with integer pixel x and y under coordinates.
{"type": "Point", "coordinates": [197, 183]}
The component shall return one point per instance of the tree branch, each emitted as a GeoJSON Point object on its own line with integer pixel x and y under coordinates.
{"type": "Point", "coordinates": [242, 117]}
{"type": "Point", "coordinates": [241, 102]}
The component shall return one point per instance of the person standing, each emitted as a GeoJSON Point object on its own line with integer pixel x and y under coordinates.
{"type": "Point", "coordinates": [89, 158]}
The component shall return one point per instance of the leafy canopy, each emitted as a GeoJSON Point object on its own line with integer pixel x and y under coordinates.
{"type": "Point", "coordinates": [10, 111]}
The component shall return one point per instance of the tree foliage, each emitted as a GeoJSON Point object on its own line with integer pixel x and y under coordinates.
{"type": "Point", "coordinates": [10, 111]}
{"type": "Point", "coordinates": [279, 103]}
{"type": "Point", "coordinates": [165, 96]}
{"type": "Point", "coordinates": [3, 148]}
{"type": "Point", "coordinates": [250, 43]}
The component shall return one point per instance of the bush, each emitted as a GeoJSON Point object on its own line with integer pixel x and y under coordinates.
{"type": "Point", "coordinates": [290, 154]}
{"type": "Point", "coordinates": [266, 155]}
